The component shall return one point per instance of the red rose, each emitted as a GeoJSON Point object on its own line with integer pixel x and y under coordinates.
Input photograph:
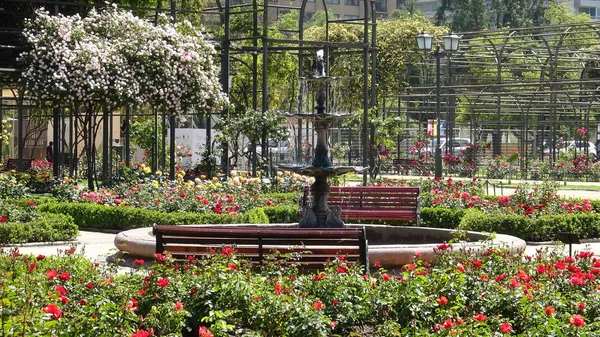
{"type": "Point", "coordinates": [53, 310]}
{"type": "Point", "coordinates": [442, 300]}
{"type": "Point", "coordinates": [204, 332]}
{"type": "Point", "coordinates": [506, 327]}
{"type": "Point", "coordinates": [163, 282]}
{"type": "Point", "coordinates": [480, 317]}
{"type": "Point", "coordinates": [577, 320]}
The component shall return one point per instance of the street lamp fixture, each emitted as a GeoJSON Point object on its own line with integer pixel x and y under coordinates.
{"type": "Point", "coordinates": [424, 43]}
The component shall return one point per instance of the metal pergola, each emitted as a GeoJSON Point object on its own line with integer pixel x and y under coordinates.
{"type": "Point", "coordinates": [516, 89]}
{"type": "Point", "coordinates": [217, 16]}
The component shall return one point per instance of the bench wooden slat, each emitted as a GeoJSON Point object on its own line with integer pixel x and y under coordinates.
{"type": "Point", "coordinates": [264, 242]}
{"type": "Point", "coordinates": [244, 232]}
{"type": "Point", "coordinates": [269, 250]}
{"type": "Point", "coordinates": [373, 203]}
{"type": "Point", "coordinates": [255, 243]}
{"type": "Point", "coordinates": [13, 164]}
{"type": "Point", "coordinates": [404, 164]}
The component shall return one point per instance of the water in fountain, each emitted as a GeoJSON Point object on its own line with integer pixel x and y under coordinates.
{"type": "Point", "coordinates": [324, 91]}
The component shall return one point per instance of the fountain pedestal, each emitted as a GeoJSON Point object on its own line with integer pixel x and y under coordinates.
{"type": "Point", "coordinates": [320, 215]}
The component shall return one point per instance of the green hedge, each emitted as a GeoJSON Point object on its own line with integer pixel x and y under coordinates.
{"type": "Point", "coordinates": [49, 227]}
{"type": "Point", "coordinates": [543, 228]}
{"type": "Point", "coordinates": [122, 218]}
{"type": "Point", "coordinates": [282, 214]}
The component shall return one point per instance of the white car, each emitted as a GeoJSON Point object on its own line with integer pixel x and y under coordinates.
{"type": "Point", "coordinates": [281, 148]}
{"type": "Point", "coordinates": [577, 146]}
{"type": "Point", "coordinates": [458, 144]}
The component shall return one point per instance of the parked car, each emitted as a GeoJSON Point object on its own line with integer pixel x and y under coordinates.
{"type": "Point", "coordinates": [458, 144]}
{"type": "Point", "coordinates": [578, 146]}
{"type": "Point", "coordinates": [276, 148]}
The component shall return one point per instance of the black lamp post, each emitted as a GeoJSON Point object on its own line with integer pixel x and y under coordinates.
{"type": "Point", "coordinates": [424, 43]}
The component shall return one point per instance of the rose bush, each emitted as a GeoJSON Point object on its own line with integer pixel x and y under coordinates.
{"type": "Point", "coordinates": [239, 193]}
{"type": "Point", "coordinates": [493, 294]}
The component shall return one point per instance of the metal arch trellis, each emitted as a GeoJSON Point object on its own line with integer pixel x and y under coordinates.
{"type": "Point", "coordinates": [259, 45]}
{"type": "Point", "coordinates": [524, 87]}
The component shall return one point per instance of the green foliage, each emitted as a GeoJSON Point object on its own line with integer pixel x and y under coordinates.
{"type": "Point", "coordinates": [281, 214]}
{"type": "Point", "coordinates": [256, 216]}
{"type": "Point", "coordinates": [123, 218]}
{"type": "Point", "coordinates": [253, 125]}
{"type": "Point", "coordinates": [559, 13]}
{"type": "Point", "coordinates": [460, 293]}
{"type": "Point", "coordinates": [441, 217]}
{"type": "Point", "coordinates": [47, 228]}
{"type": "Point", "coordinates": [517, 225]}
{"type": "Point", "coordinates": [462, 15]}
{"type": "Point", "coordinates": [143, 135]}
{"type": "Point", "coordinates": [543, 228]}
{"type": "Point", "coordinates": [11, 187]}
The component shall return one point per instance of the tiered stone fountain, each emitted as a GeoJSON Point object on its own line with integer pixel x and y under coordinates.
{"type": "Point", "coordinates": [320, 215]}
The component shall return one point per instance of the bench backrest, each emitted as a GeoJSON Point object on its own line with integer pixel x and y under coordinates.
{"type": "Point", "coordinates": [367, 197]}
{"type": "Point", "coordinates": [255, 243]}
{"type": "Point", "coordinates": [13, 164]}
{"type": "Point", "coordinates": [403, 161]}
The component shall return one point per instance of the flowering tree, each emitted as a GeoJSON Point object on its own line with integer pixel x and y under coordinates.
{"type": "Point", "coordinates": [112, 59]}
{"type": "Point", "coordinates": [117, 59]}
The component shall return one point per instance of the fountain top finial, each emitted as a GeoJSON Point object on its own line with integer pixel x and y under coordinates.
{"type": "Point", "coordinates": [320, 64]}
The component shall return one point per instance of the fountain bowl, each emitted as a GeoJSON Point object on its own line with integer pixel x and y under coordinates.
{"type": "Point", "coordinates": [390, 246]}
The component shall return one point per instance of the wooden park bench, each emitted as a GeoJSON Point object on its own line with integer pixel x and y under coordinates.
{"type": "Point", "coordinates": [314, 247]}
{"type": "Point", "coordinates": [373, 203]}
{"type": "Point", "coordinates": [13, 164]}
{"type": "Point", "coordinates": [404, 165]}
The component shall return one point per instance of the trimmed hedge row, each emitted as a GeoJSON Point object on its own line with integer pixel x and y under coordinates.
{"type": "Point", "coordinates": [122, 218]}
{"type": "Point", "coordinates": [543, 228]}
{"type": "Point", "coordinates": [585, 225]}
{"type": "Point", "coordinates": [48, 227]}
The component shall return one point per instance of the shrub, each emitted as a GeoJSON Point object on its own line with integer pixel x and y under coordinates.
{"type": "Point", "coordinates": [122, 217]}
{"type": "Point", "coordinates": [462, 294]}
{"type": "Point", "coordinates": [255, 216]}
{"type": "Point", "coordinates": [49, 227]}
{"type": "Point", "coordinates": [477, 220]}
{"type": "Point", "coordinates": [441, 217]}
{"type": "Point", "coordinates": [281, 214]}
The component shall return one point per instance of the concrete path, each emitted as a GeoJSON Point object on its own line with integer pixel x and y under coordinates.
{"type": "Point", "coordinates": [94, 245]}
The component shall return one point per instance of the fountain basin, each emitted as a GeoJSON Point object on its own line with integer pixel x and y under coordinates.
{"type": "Point", "coordinates": [391, 246]}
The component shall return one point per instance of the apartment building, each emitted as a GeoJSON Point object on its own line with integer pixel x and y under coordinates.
{"type": "Point", "coordinates": [590, 7]}
{"type": "Point", "coordinates": [352, 9]}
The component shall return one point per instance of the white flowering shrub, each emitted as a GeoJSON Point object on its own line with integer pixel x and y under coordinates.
{"type": "Point", "coordinates": [113, 57]}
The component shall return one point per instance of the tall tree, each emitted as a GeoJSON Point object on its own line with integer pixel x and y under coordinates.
{"type": "Point", "coordinates": [463, 15]}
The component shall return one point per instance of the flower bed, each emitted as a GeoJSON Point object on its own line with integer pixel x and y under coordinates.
{"type": "Point", "coordinates": [24, 222]}
{"type": "Point", "coordinates": [464, 295]}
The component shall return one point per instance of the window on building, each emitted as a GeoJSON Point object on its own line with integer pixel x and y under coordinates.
{"type": "Point", "coordinates": [332, 2]}
{"type": "Point", "coordinates": [350, 17]}
{"type": "Point", "coordinates": [336, 16]}
{"type": "Point", "coordinates": [381, 5]}
{"type": "Point", "coordinates": [399, 4]}
{"type": "Point", "coordinates": [351, 2]}
{"type": "Point", "coordinates": [588, 10]}
{"type": "Point", "coordinates": [428, 7]}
